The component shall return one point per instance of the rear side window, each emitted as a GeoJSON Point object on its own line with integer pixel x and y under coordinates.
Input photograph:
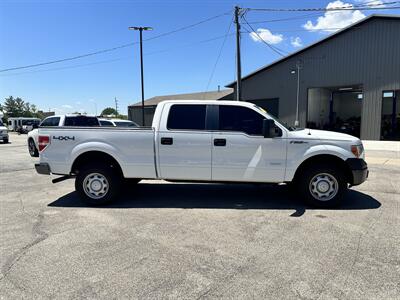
{"type": "Point", "coordinates": [243, 119]}
{"type": "Point", "coordinates": [187, 117]}
{"type": "Point", "coordinates": [106, 123]}
{"type": "Point", "coordinates": [125, 124]}
{"type": "Point", "coordinates": [53, 121]}
{"type": "Point", "coordinates": [81, 121]}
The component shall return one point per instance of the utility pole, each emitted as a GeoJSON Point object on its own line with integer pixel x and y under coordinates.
{"type": "Point", "coordinates": [116, 104]}
{"type": "Point", "coordinates": [141, 62]}
{"type": "Point", "coordinates": [238, 63]}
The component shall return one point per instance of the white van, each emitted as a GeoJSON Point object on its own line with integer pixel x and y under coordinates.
{"type": "Point", "coordinates": [22, 124]}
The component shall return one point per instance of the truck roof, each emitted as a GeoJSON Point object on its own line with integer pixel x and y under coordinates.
{"type": "Point", "coordinates": [215, 102]}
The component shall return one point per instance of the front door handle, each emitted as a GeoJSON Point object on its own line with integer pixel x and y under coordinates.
{"type": "Point", "coordinates": [220, 142]}
{"type": "Point", "coordinates": [167, 141]}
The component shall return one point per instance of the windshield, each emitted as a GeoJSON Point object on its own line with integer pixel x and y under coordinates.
{"type": "Point", "coordinates": [263, 111]}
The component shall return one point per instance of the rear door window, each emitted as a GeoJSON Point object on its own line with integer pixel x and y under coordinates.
{"type": "Point", "coordinates": [239, 118]}
{"type": "Point", "coordinates": [187, 117]}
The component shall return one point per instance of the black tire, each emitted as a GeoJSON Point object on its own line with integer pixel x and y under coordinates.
{"type": "Point", "coordinates": [87, 184]}
{"type": "Point", "coordinates": [5, 141]}
{"type": "Point", "coordinates": [313, 182]}
{"type": "Point", "coordinates": [33, 151]}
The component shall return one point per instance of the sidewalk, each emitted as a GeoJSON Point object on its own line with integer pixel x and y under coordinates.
{"type": "Point", "coordinates": [382, 152]}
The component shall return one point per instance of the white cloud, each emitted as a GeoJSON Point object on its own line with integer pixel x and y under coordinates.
{"type": "Point", "coordinates": [296, 42]}
{"type": "Point", "coordinates": [66, 106]}
{"type": "Point", "coordinates": [372, 3]}
{"type": "Point", "coordinates": [267, 36]}
{"type": "Point", "coordinates": [335, 20]}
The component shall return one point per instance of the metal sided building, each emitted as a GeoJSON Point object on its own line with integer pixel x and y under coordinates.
{"type": "Point", "coordinates": [135, 110]}
{"type": "Point", "coordinates": [348, 82]}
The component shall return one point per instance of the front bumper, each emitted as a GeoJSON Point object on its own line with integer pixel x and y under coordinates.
{"type": "Point", "coordinates": [43, 168]}
{"type": "Point", "coordinates": [359, 170]}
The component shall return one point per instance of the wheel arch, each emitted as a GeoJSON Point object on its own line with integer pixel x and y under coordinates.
{"type": "Point", "coordinates": [95, 156]}
{"type": "Point", "coordinates": [327, 159]}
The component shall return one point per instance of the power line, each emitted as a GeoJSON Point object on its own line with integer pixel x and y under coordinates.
{"type": "Point", "coordinates": [114, 48]}
{"type": "Point", "coordinates": [350, 7]}
{"type": "Point", "coordinates": [189, 44]}
{"type": "Point", "coordinates": [219, 55]}
{"type": "Point", "coordinates": [64, 68]}
{"type": "Point", "coordinates": [118, 59]}
{"type": "Point", "coordinates": [273, 48]}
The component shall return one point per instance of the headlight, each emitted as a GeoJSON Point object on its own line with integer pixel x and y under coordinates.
{"type": "Point", "coordinates": [357, 150]}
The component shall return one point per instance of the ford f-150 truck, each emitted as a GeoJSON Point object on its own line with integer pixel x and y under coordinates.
{"type": "Point", "coordinates": [206, 141]}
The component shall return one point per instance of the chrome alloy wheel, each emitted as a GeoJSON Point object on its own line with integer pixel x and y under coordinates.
{"type": "Point", "coordinates": [323, 187]}
{"type": "Point", "coordinates": [95, 185]}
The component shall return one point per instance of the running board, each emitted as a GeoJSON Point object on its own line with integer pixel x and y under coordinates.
{"type": "Point", "coordinates": [62, 178]}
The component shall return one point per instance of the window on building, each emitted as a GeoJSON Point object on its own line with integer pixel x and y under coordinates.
{"type": "Point", "coordinates": [187, 117]}
{"type": "Point", "coordinates": [243, 119]}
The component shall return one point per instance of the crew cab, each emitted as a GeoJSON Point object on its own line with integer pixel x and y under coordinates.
{"type": "Point", "coordinates": [59, 120]}
{"type": "Point", "coordinates": [206, 141]}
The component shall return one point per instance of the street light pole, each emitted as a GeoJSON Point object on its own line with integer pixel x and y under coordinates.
{"type": "Point", "coordinates": [298, 67]}
{"type": "Point", "coordinates": [141, 63]}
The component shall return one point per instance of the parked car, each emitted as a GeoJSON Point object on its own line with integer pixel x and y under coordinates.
{"type": "Point", "coordinates": [117, 123]}
{"type": "Point", "coordinates": [57, 121]}
{"type": "Point", "coordinates": [30, 125]}
{"type": "Point", "coordinates": [3, 132]}
{"type": "Point", "coordinates": [206, 141]}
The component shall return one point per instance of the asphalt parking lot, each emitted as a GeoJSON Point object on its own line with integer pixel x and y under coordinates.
{"type": "Point", "coordinates": [165, 240]}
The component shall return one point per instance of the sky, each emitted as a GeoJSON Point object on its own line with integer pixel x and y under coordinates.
{"type": "Point", "coordinates": [197, 59]}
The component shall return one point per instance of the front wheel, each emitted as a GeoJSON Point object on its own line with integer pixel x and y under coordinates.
{"type": "Point", "coordinates": [97, 185]}
{"type": "Point", "coordinates": [323, 186]}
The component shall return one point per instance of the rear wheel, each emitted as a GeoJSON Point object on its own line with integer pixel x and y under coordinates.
{"type": "Point", "coordinates": [33, 151]}
{"type": "Point", "coordinates": [5, 141]}
{"type": "Point", "coordinates": [322, 186]}
{"type": "Point", "coordinates": [98, 185]}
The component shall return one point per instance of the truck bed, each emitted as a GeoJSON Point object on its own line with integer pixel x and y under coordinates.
{"type": "Point", "coordinates": [133, 148]}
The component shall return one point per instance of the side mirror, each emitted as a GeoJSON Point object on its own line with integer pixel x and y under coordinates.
{"type": "Point", "coordinates": [269, 128]}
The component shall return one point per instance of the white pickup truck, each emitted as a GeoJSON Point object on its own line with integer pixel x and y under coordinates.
{"type": "Point", "coordinates": [206, 141]}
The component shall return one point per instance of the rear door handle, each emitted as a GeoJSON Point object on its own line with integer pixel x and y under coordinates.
{"type": "Point", "coordinates": [220, 142]}
{"type": "Point", "coordinates": [167, 141]}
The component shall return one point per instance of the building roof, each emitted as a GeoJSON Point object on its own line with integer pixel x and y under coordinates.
{"type": "Point", "coordinates": [356, 24]}
{"type": "Point", "coordinates": [213, 95]}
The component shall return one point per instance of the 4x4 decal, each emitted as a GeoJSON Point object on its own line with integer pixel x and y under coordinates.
{"type": "Point", "coordinates": [64, 138]}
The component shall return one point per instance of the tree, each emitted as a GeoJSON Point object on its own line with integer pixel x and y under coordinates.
{"type": "Point", "coordinates": [16, 107]}
{"type": "Point", "coordinates": [109, 111]}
